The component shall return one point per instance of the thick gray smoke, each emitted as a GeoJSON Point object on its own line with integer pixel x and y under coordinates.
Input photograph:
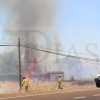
{"type": "Point", "coordinates": [29, 15]}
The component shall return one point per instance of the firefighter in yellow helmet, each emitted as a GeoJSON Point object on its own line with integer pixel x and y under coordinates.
{"type": "Point", "coordinates": [59, 82]}
{"type": "Point", "coordinates": [25, 83]}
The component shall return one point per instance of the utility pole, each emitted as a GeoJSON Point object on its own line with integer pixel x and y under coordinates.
{"type": "Point", "coordinates": [19, 57]}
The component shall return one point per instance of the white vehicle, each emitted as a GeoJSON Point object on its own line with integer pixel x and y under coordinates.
{"type": "Point", "coordinates": [97, 80]}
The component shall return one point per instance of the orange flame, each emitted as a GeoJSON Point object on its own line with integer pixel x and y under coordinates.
{"type": "Point", "coordinates": [30, 68]}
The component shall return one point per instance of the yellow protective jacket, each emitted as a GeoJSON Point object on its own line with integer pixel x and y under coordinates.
{"type": "Point", "coordinates": [25, 82]}
{"type": "Point", "coordinates": [60, 80]}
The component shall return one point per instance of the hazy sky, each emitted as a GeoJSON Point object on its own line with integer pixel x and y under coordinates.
{"type": "Point", "coordinates": [77, 22]}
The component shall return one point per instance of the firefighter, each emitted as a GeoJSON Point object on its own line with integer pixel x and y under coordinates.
{"type": "Point", "coordinates": [72, 78]}
{"type": "Point", "coordinates": [59, 82]}
{"type": "Point", "coordinates": [25, 83]}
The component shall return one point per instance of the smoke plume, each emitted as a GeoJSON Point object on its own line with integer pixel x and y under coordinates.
{"type": "Point", "coordinates": [29, 13]}
{"type": "Point", "coordinates": [27, 16]}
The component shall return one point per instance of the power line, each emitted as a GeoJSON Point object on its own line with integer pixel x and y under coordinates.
{"type": "Point", "coordinates": [60, 54]}
{"type": "Point", "coordinates": [7, 43]}
{"type": "Point", "coordinates": [46, 48]}
{"type": "Point", "coordinates": [65, 51]}
{"type": "Point", "coordinates": [55, 53]}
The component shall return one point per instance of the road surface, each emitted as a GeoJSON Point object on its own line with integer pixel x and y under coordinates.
{"type": "Point", "coordinates": [86, 94]}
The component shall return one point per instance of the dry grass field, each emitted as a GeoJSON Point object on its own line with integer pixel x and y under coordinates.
{"type": "Point", "coordinates": [35, 85]}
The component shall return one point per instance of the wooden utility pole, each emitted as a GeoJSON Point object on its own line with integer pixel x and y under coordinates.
{"type": "Point", "coordinates": [19, 57]}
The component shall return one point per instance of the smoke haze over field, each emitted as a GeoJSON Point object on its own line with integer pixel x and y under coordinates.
{"type": "Point", "coordinates": [38, 15]}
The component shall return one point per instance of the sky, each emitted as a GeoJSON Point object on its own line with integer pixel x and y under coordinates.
{"type": "Point", "coordinates": [77, 23]}
{"type": "Point", "coordinates": [2, 23]}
